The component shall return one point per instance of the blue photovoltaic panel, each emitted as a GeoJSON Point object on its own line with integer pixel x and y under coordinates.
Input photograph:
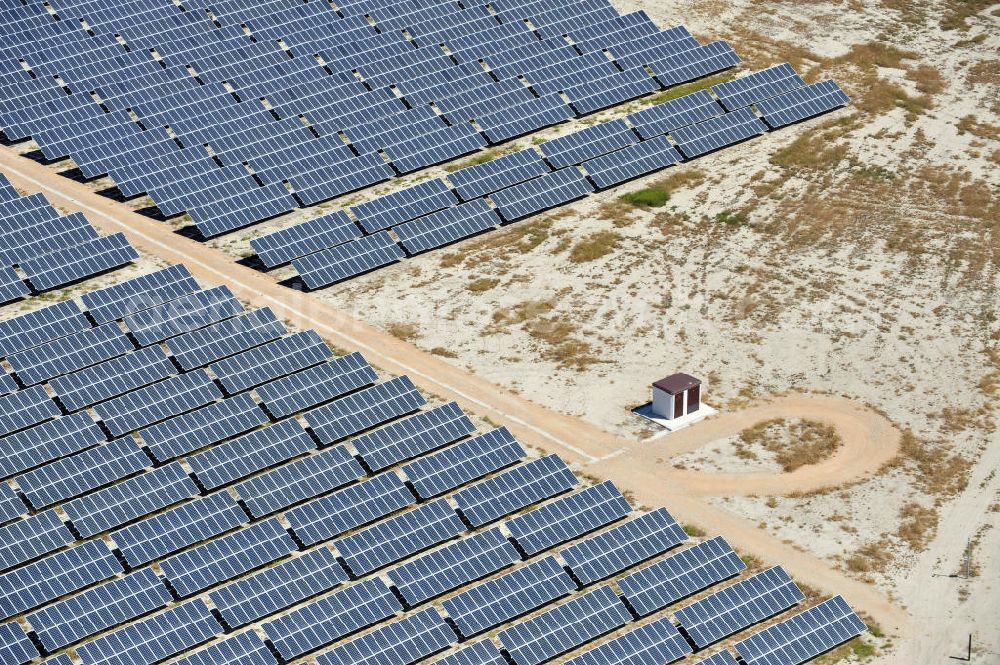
{"type": "Point", "coordinates": [282, 246]}
{"type": "Point", "coordinates": [157, 402]}
{"type": "Point", "coordinates": [525, 117]}
{"type": "Point", "coordinates": [452, 566]}
{"type": "Point", "coordinates": [631, 162]}
{"type": "Point", "coordinates": [565, 627]}
{"type": "Point", "coordinates": [399, 537]}
{"type": "Point", "coordinates": [243, 649]}
{"type": "Point", "coordinates": [179, 527]}
{"type": "Point", "coordinates": [405, 439]}
{"type": "Point", "coordinates": [227, 557]}
{"type": "Point", "coordinates": [496, 174]}
{"type": "Point", "coordinates": [512, 490]}
{"type": "Point", "coordinates": [655, 643]}
{"type": "Point", "coordinates": [347, 260]}
{"type": "Point", "coordinates": [503, 598]}
{"type": "Point", "coordinates": [758, 86]}
{"type": "Point", "coordinates": [55, 576]}
{"type": "Point", "coordinates": [722, 658]}
{"type": "Point", "coordinates": [11, 286]}
{"type": "Point", "coordinates": [804, 636]}
{"type": "Point", "coordinates": [226, 462]}
{"type": "Point", "coordinates": [349, 508]}
{"type": "Point", "coordinates": [7, 383]}
{"type": "Point", "coordinates": [803, 103]}
{"type": "Point", "coordinates": [47, 441]}
{"type": "Point", "coordinates": [622, 547]}
{"type": "Point", "coordinates": [402, 643]}
{"type": "Point", "coordinates": [82, 472]}
{"type": "Point", "coordinates": [25, 408]}
{"type": "Point", "coordinates": [112, 377]}
{"type": "Point", "coordinates": [210, 424]}
{"type": "Point", "coordinates": [331, 618]}
{"type": "Point", "coordinates": [274, 589]}
{"type": "Point", "coordinates": [587, 143]}
{"type": "Point", "coordinates": [154, 639]}
{"type": "Point", "coordinates": [185, 314]}
{"type": "Point", "coordinates": [299, 480]}
{"type": "Point", "coordinates": [456, 465]}
{"type": "Point", "coordinates": [447, 226]}
{"type": "Point", "coordinates": [568, 517]}
{"type": "Point", "coordinates": [738, 606]}
{"type": "Point", "coordinates": [680, 575]}
{"type": "Point", "coordinates": [130, 499]}
{"type": "Point", "coordinates": [69, 265]}
{"type": "Point", "coordinates": [270, 361]}
{"type": "Point", "coordinates": [719, 132]}
{"type": "Point", "coordinates": [404, 205]}
{"type": "Point", "coordinates": [316, 385]}
{"type": "Point", "coordinates": [541, 193]}
{"type": "Point", "coordinates": [32, 537]}
{"type": "Point", "coordinates": [40, 326]}
{"type": "Point", "coordinates": [365, 409]}
{"type": "Point", "coordinates": [11, 505]}
{"type": "Point", "coordinates": [97, 609]}
{"type": "Point", "coordinates": [480, 653]}
{"type": "Point", "coordinates": [676, 113]}
{"type": "Point", "coordinates": [120, 300]}
{"type": "Point", "coordinates": [68, 354]}
{"type": "Point", "coordinates": [15, 647]}
{"type": "Point", "coordinates": [226, 338]}
{"type": "Point", "coordinates": [593, 95]}
{"type": "Point", "coordinates": [673, 68]}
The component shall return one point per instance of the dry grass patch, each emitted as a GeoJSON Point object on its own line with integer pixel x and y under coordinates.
{"type": "Point", "coordinates": [404, 331]}
{"type": "Point", "coordinates": [919, 524]}
{"type": "Point", "coordinates": [594, 246]}
{"type": "Point", "coordinates": [956, 13]}
{"type": "Point", "coordinates": [872, 557]}
{"type": "Point", "coordinates": [443, 352]}
{"type": "Point", "coordinates": [482, 284]}
{"type": "Point", "coordinates": [795, 443]}
{"type": "Point", "coordinates": [935, 469]}
{"type": "Point", "coordinates": [983, 130]}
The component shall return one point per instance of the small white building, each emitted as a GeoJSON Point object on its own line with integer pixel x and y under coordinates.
{"type": "Point", "coordinates": [676, 396]}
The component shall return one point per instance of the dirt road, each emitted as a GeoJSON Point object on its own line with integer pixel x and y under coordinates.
{"type": "Point", "coordinates": [869, 441]}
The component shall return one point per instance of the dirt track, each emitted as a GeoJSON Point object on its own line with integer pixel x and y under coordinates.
{"type": "Point", "coordinates": [870, 440]}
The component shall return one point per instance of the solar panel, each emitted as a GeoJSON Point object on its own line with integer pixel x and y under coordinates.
{"type": "Point", "coordinates": [526, 117]}
{"type": "Point", "coordinates": [631, 162]}
{"type": "Point", "coordinates": [804, 636]}
{"type": "Point", "coordinates": [622, 547]}
{"type": "Point", "coordinates": [676, 113]}
{"type": "Point", "coordinates": [480, 653]}
{"type": "Point", "coordinates": [565, 627]}
{"type": "Point", "coordinates": [154, 639]}
{"type": "Point", "coordinates": [15, 647]}
{"type": "Point", "coordinates": [365, 409]}
{"type": "Point", "coordinates": [680, 575]}
{"type": "Point", "coordinates": [746, 90]}
{"type": "Point", "coordinates": [179, 527]}
{"type": "Point", "coordinates": [11, 286]}
{"type": "Point", "coordinates": [312, 235]}
{"type": "Point", "coordinates": [11, 505]}
{"type": "Point", "coordinates": [404, 205]}
{"type": "Point", "coordinates": [226, 338]}
{"type": "Point", "coordinates": [803, 103]}
{"type": "Point", "coordinates": [32, 537]}
{"type": "Point", "coordinates": [97, 609]}
{"type": "Point", "coordinates": [157, 402]}
{"type": "Point", "coordinates": [503, 598]}
{"type": "Point", "coordinates": [112, 377]}
{"type": "Point", "coordinates": [130, 499]}
{"type": "Point", "coordinates": [447, 226]}
{"type": "Point", "coordinates": [347, 260]}
{"type": "Point", "coordinates": [413, 436]}
{"type": "Point", "coordinates": [466, 461]}
{"type": "Point", "coordinates": [55, 576]}
{"type": "Point", "coordinates": [589, 142]}
{"type": "Point", "coordinates": [84, 260]}
{"type": "Point", "coordinates": [274, 589]}
{"type": "Point", "coordinates": [720, 658]}
{"type": "Point", "coordinates": [227, 557]}
{"type": "Point", "coordinates": [40, 326]}
{"type": "Point", "coordinates": [496, 174]}
{"type": "Point", "coordinates": [672, 68]}
{"type": "Point", "coordinates": [738, 606]}
{"type": "Point", "coordinates": [243, 649]}
{"type": "Point", "coordinates": [47, 441]}
{"type": "Point", "coordinates": [25, 408]}
{"type": "Point", "coordinates": [202, 427]}
{"type": "Point", "coordinates": [316, 385]}
{"type": "Point", "coordinates": [7, 383]}
{"type": "Point", "coordinates": [349, 508]}
{"type": "Point", "coordinates": [67, 354]}
{"type": "Point", "coordinates": [512, 490]}
{"type": "Point", "coordinates": [452, 566]}
{"type": "Point", "coordinates": [656, 643]}
{"type": "Point", "coordinates": [541, 193]}
{"type": "Point", "coordinates": [139, 293]}
{"type": "Point", "coordinates": [569, 517]}
{"type": "Point", "coordinates": [719, 132]}
{"type": "Point", "coordinates": [250, 453]}
{"type": "Point", "coordinates": [182, 315]}
{"type": "Point", "coordinates": [82, 472]}
{"type": "Point", "coordinates": [401, 643]}
{"type": "Point", "coordinates": [331, 618]}
{"type": "Point", "coordinates": [270, 361]}
{"type": "Point", "coordinates": [594, 94]}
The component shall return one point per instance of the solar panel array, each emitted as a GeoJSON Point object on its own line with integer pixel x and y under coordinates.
{"type": "Point", "coordinates": [342, 530]}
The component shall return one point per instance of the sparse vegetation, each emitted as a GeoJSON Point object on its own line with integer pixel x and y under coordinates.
{"type": "Point", "coordinates": [694, 531]}
{"type": "Point", "coordinates": [482, 284]}
{"type": "Point", "coordinates": [404, 331]}
{"type": "Point", "coordinates": [794, 443]}
{"type": "Point", "coordinates": [594, 246]}
{"type": "Point", "coordinates": [648, 197]}
{"type": "Point", "coordinates": [918, 525]}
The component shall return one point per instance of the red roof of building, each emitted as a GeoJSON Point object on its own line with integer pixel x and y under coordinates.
{"type": "Point", "coordinates": [676, 383]}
